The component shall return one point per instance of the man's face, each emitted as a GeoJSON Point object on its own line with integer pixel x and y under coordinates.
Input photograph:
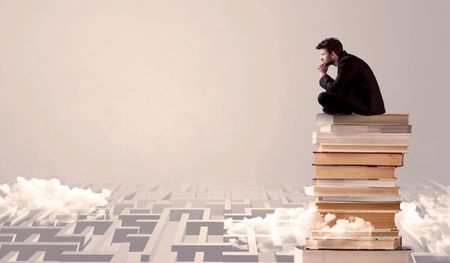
{"type": "Point", "coordinates": [326, 57]}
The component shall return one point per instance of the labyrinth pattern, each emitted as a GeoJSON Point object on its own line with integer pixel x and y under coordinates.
{"type": "Point", "coordinates": [165, 222]}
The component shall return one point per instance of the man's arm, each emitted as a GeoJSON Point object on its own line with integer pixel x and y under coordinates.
{"type": "Point", "coordinates": [342, 83]}
{"type": "Point", "coordinates": [326, 82]}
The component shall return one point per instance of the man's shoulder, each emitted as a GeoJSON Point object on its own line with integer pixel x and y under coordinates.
{"type": "Point", "coordinates": [351, 59]}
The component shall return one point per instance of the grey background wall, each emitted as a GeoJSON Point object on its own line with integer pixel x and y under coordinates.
{"type": "Point", "coordinates": [121, 89]}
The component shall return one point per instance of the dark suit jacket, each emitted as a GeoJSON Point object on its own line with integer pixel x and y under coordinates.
{"type": "Point", "coordinates": [355, 78]}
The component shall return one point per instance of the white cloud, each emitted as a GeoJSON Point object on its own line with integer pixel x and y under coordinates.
{"type": "Point", "coordinates": [289, 226]}
{"type": "Point", "coordinates": [431, 227]}
{"type": "Point", "coordinates": [351, 225]}
{"type": "Point", "coordinates": [50, 195]}
{"type": "Point", "coordinates": [427, 221]}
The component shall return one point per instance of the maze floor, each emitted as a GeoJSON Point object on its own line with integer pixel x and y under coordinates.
{"type": "Point", "coordinates": [171, 221]}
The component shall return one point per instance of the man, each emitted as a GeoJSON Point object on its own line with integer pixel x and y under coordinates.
{"type": "Point", "coordinates": [355, 89]}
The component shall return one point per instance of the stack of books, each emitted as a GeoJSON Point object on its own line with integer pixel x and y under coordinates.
{"type": "Point", "coordinates": [354, 177]}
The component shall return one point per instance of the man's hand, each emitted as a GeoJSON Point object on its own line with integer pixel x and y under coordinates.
{"type": "Point", "coordinates": [322, 69]}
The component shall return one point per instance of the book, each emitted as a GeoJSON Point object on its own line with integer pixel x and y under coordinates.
{"type": "Point", "coordinates": [349, 206]}
{"type": "Point", "coordinates": [377, 224]}
{"type": "Point", "coordinates": [365, 139]}
{"type": "Point", "coordinates": [384, 119]}
{"type": "Point", "coordinates": [358, 128]}
{"type": "Point", "coordinates": [315, 190]}
{"type": "Point", "coordinates": [367, 159]}
{"type": "Point", "coordinates": [355, 182]}
{"type": "Point", "coordinates": [303, 255]}
{"type": "Point", "coordinates": [354, 172]}
{"type": "Point", "coordinates": [323, 147]}
{"type": "Point", "coordinates": [351, 234]}
{"type": "Point", "coordinates": [358, 198]}
{"type": "Point", "coordinates": [354, 243]}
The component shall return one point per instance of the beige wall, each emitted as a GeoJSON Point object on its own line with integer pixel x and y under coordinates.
{"type": "Point", "coordinates": [109, 89]}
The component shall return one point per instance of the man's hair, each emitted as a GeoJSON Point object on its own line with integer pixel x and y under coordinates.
{"type": "Point", "coordinates": [331, 45]}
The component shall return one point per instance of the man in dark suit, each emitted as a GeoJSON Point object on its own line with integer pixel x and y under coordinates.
{"type": "Point", "coordinates": [355, 89]}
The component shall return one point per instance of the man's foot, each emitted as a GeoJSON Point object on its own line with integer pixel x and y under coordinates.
{"type": "Point", "coordinates": [334, 112]}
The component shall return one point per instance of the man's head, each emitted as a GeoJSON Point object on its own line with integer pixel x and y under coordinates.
{"type": "Point", "coordinates": [330, 50]}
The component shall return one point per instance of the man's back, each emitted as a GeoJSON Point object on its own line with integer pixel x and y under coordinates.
{"type": "Point", "coordinates": [365, 85]}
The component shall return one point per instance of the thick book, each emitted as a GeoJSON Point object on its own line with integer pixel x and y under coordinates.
{"type": "Point", "coordinates": [367, 159]}
{"type": "Point", "coordinates": [355, 182]}
{"type": "Point", "coordinates": [351, 234]}
{"type": "Point", "coordinates": [381, 198]}
{"type": "Point", "coordinates": [354, 172]}
{"type": "Point", "coordinates": [361, 128]}
{"type": "Point", "coordinates": [315, 190]}
{"type": "Point", "coordinates": [323, 147]}
{"type": "Point", "coordinates": [350, 206]}
{"type": "Point", "coordinates": [354, 243]}
{"type": "Point", "coordinates": [303, 255]}
{"type": "Point", "coordinates": [384, 119]}
{"type": "Point", "coordinates": [386, 139]}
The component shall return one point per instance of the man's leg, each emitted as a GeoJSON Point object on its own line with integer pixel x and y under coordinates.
{"type": "Point", "coordinates": [333, 104]}
{"type": "Point", "coordinates": [340, 104]}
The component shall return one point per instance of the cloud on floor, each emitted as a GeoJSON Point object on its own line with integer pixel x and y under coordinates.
{"type": "Point", "coordinates": [428, 222]}
{"type": "Point", "coordinates": [51, 196]}
{"type": "Point", "coordinates": [289, 226]}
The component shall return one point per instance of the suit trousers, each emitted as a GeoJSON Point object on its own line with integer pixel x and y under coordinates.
{"type": "Point", "coordinates": [342, 104]}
